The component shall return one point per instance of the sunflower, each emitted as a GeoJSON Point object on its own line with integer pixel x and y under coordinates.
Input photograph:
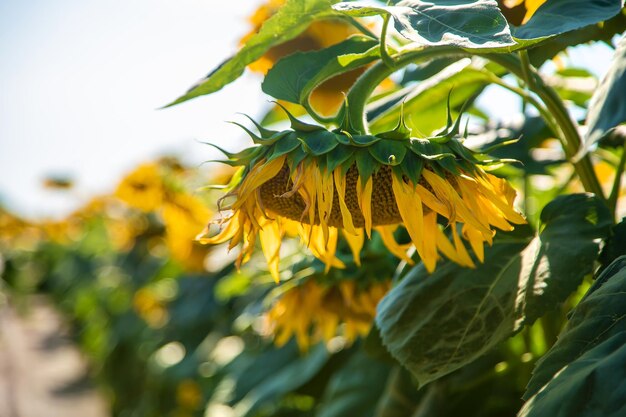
{"type": "Point", "coordinates": [319, 183]}
{"type": "Point", "coordinates": [315, 311]}
{"type": "Point", "coordinates": [519, 12]}
{"type": "Point", "coordinates": [157, 188]}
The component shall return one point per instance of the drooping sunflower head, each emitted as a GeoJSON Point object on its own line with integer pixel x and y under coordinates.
{"type": "Point", "coordinates": [316, 183]}
{"type": "Point", "coordinates": [335, 308]}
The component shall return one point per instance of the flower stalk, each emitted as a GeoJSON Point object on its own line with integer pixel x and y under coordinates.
{"type": "Point", "coordinates": [556, 115]}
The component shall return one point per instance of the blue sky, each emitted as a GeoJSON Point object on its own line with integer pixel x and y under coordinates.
{"type": "Point", "coordinates": [81, 83]}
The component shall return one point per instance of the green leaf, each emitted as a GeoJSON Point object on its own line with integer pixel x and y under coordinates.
{"type": "Point", "coordinates": [607, 108]}
{"type": "Point", "coordinates": [283, 378]}
{"type": "Point", "coordinates": [338, 156]}
{"type": "Point", "coordinates": [284, 145]}
{"type": "Point", "coordinates": [294, 77]}
{"type": "Point", "coordinates": [615, 245]}
{"type": "Point", "coordinates": [354, 389]}
{"type": "Point", "coordinates": [365, 164]}
{"type": "Point", "coordinates": [318, 142]}
{"type": "Point", "coordinates": [435, 324]}
{"type": "Point", "coordinates": [471, 24]}
{"type": "Point", "coordinates": [389, 152]}
{"type": "Point", "coordinates": [559, 16]}
{"type": "Point", "coordinates": [584, 374]}
{"type": "Point", "coordinates": [288, 22]}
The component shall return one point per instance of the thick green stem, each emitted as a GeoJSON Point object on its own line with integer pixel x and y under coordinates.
{"type": "Point", "coordinates": [365, 85]}
{"type": "Point", "coordinates": [558, 115]}
{"type": "Point", "coordinates": [617, 183]}
{"type": "Point", "coordinates": [570, 139]}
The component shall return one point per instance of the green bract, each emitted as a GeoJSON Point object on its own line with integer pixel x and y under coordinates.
{"type": "Point", "coordinates": [406, 155]}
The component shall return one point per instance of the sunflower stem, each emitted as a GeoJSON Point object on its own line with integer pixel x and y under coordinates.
{"type": "Point", "coordinates": [318, 117]}
{"type": "Point", "coordinates": [613, 197]}
{"type": "Point", "coordinates": [570, 138]}
{"type": "Point", "coordinates": [384, 55]}
{"type": "Point", "coordinates": [365, 85]}
{"type": "Point", "coordinates": [567, 131]}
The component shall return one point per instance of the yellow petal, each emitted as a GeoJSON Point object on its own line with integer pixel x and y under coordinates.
{"type": "Point", "coordinates": [340, 185]}
{"type": "Point", "coordinates": [386, 233]}
{"type": "Point", "coordinates": [259, 175]}
{"type": "Point", "coordinates": [364, 196]}
{"type": "Point", "coordinates": [355, 241]}
{"type": "Point", "coordinates": [457, 207]}
{"type": "Point", "coordinates": [430, 240]}
{"type": "Point", "coordinates": [464, 256]}
{"type": "Point", "coordinates": [322, 249]}
{"type": "Point", "coordinates": [232, 227]}
{"type": "Point", "coordinates": [476, 241]}
{"type": "Point", "coordinates": [271, 238]}
{"type": "Point", "coordinates": [411, 211]}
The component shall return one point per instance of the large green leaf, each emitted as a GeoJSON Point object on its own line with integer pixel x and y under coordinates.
{"type": "Point", "coordinates": [294, 77]}
{"type": "Point", "coordinates": [559, 16]}
{"type": "Point", "coordinates": [288, 22]}
{"type": "Point", "coordinates": [584, 374]}
{"type": "Point", "coordinates": [268, 378]}
{"type": "Point", "coordinates": [435, 324]}
{"type": "Point", "coordinates": [607, 108]}
{"type": "Point", "coordinates": [354, 389]}
{"type": "Point", "coordinates": [471, 24]}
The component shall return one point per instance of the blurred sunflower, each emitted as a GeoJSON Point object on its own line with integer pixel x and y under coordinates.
{"type": "Point", "coordinates": [315, 312]}
{"type": "Point", "coordinates": [519, 12]}
{"type": "Point", "coordinates": [316, 183]}
{"type": "Point", "coordinates": [157, 188]}
{"type": "Point", "coordinates": [328, 97]}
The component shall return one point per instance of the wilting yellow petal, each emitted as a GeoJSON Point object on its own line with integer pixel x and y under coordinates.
{"type": "Point", "coordinates": [411, 211]}
{"type": "Point", "coordinates": [464, 256]}
{"type": "Point", "coordinates": [471, 191]}
{"type": "Point", "coordinates": [340, 185]}
{"type": "Point", "coordinates": [386, 233]}
{"type": "Point", "coordinates": [308, 191]}
{"type": "Point", "coordinates": [364, 195]}
{"type": "Point", "coordinates": [355, 241]}
{"type": "Point", "coordinates": [232, 227]}
{"type": "Point", "coordinates": [431, 201]}
{"type": "Point", "coordinates": [325, 190]}
{"type": "Point", "coordinates": [271, 238]}
{"type": "Point", "coordinates": [430, 240]}
{"type": "Point", "coordinates": [475, 239]}
{"type": "Point", "coordinates": [445, 191]}
{"type": "Point", "coordinates": [498, 192]}
{"type": "Point", "coordinates": [446, 247]}
{"type": "Point", "coordinates": [322, 249]}
{"type": "Point", "coordinates": [259, 175]}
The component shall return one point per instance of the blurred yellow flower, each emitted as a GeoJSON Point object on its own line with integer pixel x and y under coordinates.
{"type": "Point", "coordinates": [315, 312]}
{"type": "Point", "coordinates": [328, 97]}
{"type": "Point", "coordinates": [519, 12]}
{"type": "Point", "coordinates": [150, 308]}
{"type": "Point", "coordinates": [142, 188]}
{"type": "Point", "coordinates": [184, 216]}
{"type": "Point", "coordinates": [189, 394]}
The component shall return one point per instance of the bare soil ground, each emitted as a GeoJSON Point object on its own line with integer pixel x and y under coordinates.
{"type": "Point", "coordinates": [42, 374]}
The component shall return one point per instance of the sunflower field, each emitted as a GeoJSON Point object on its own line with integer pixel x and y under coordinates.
{"type": "Point", "coordinates": [383, 247]}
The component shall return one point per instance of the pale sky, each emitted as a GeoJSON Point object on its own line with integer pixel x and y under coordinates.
{"type": "Point", "coordinates": [81, 82]}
